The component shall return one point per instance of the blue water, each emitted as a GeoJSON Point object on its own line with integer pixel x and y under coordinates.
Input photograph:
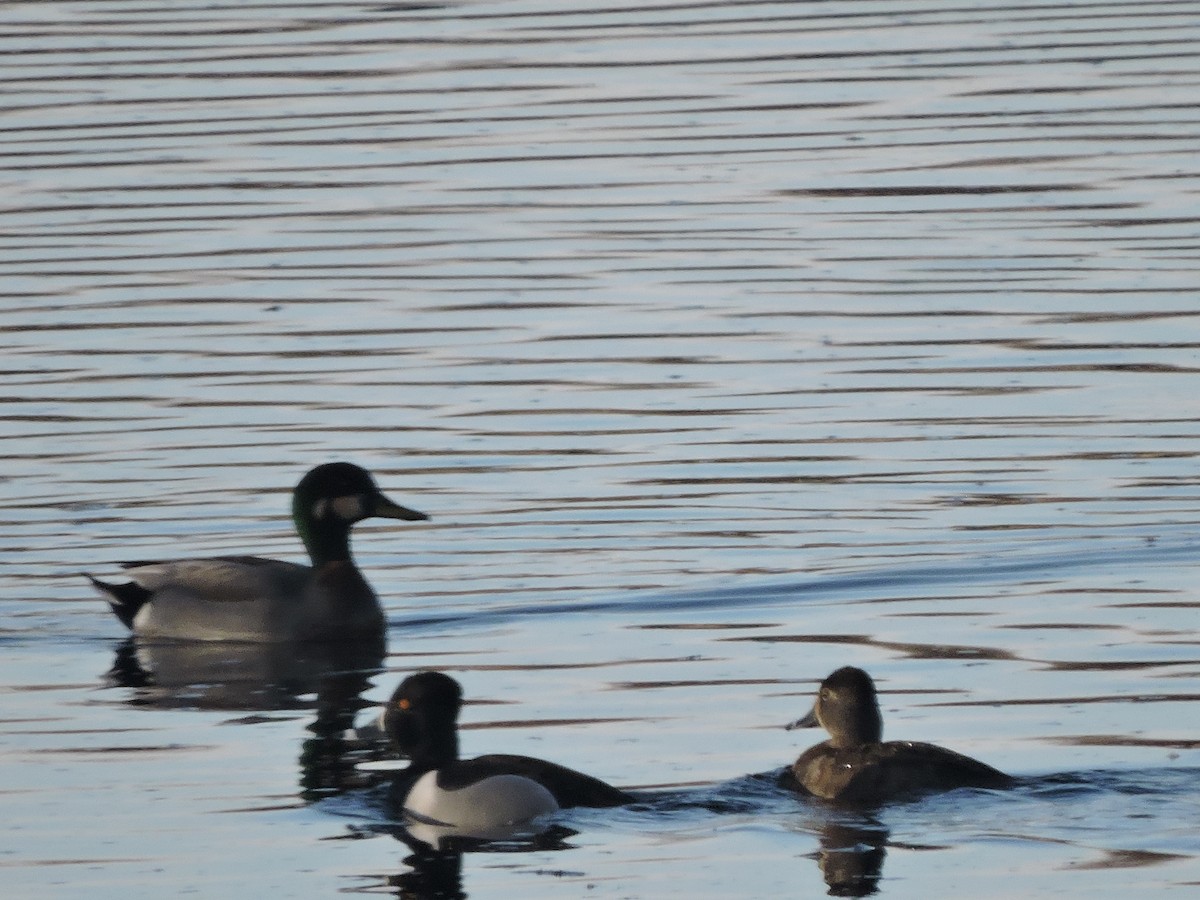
{"type": "Point", "coordinates": [725, 344]}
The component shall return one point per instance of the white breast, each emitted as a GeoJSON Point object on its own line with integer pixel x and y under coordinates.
{"type": "Point", "coordinates": [495, 801]}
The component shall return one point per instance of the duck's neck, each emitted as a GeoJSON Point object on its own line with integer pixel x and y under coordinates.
{"type": "Point", "coordinates": [326, 539]}
{"type": "Point", "coordinates": [435, 751]}
{"type": "Point", "coordinates": [854, 726]}
{"type": "Point", "coordinates": [867, 728]}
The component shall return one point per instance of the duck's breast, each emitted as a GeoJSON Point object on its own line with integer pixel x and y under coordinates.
{"type": "Point", "coordinates": [338, 602]}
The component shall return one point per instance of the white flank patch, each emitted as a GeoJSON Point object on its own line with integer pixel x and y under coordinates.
{"type": "Point", "coordinates": [498, 800]}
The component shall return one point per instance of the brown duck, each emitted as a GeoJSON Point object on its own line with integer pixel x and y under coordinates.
{"type": "Point", "coordinates": [856, 766]}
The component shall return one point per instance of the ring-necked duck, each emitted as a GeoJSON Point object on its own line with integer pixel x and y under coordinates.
{"type": "Point", "coordinates": [856, 766]}
{"type": "Point", "coordinates": [489, 791]}
{"type": "Point", "coordinates": [248, 598]}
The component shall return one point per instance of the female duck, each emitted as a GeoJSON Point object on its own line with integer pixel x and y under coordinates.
{"type": "Point", "coordinates": [856, 766]}
{"type": "Point", "coordinates": [248, 598]}
{"type": "Point", "coordinates": [489, 791]}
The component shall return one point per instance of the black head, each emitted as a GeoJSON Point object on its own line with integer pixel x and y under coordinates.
{"type": "Point", "coordinates": [421, 718]}
{"type": "Point", "coordinates": [331, 498]}
{"type": "Point", "coordinates": [848, 708]}
{"type": "Point", "coordinates": [347, 492]}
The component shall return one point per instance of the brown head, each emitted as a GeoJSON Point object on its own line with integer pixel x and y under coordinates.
{"type": "Point", "coordinates": [848, 708]}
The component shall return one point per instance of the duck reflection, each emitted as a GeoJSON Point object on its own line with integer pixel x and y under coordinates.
{"type": "Point", "coordinates": [432, 875]}
{"type": "Point", "coordinates": [436, 861]}
{"type": "Point", "coordinates": [327, 678]}
{"type": "Point", "coordinates": [851, 857]}
{"type": "Point", "coordinates": [220, 675]}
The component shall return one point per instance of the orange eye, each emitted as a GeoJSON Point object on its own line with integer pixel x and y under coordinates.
{"type": "Point", "coordinates": [404, 703]}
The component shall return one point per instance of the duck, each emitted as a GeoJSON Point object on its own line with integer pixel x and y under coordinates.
{"type": "Point", "coordinates": [252, 599]}
{"type": "Point", "coordinates": [472, 795]}
{"type": "Point", "coordinates": [856, 766]}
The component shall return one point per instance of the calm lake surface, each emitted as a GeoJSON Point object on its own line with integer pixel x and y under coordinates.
{"type": "Point", "coordinates": [726, 343]}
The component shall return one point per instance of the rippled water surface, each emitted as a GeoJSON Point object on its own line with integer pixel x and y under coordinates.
{"type": "Point", "coordinates": [725, 343]}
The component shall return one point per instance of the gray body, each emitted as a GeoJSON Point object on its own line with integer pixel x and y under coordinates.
{"type": "Point", "coordinates": [253, 599]}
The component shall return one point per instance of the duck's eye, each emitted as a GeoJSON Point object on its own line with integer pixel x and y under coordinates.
{"type": "Point", "coordinates": [404, 703]}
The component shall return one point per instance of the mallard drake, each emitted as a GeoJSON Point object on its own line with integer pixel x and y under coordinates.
{"type": "Point", "coordinates": [248, 598]}
{"type": "Point", "coordinates": [856, 766]}
{"type": "Point", "coordinates": [438, 788]}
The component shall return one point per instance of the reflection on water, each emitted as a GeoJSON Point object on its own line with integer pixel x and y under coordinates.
{"type": "Point", "coordinates": [732, 342]}
{"type": "Point", "coordinates": [846, 851]}
{"type": "Point", "coordinates": [326, 678]}
{"type": "Point", "coordinates": [242, 676]}
{"type": "Point", "coordinates": [435, 866]}
{"type": "Point", "coordinates": [431, 875]}
{"type": "Point", "coordinates": [851, 858]}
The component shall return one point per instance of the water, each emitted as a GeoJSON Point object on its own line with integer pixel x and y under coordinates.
{"type": "Point", "coordinates": [725, 343]}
